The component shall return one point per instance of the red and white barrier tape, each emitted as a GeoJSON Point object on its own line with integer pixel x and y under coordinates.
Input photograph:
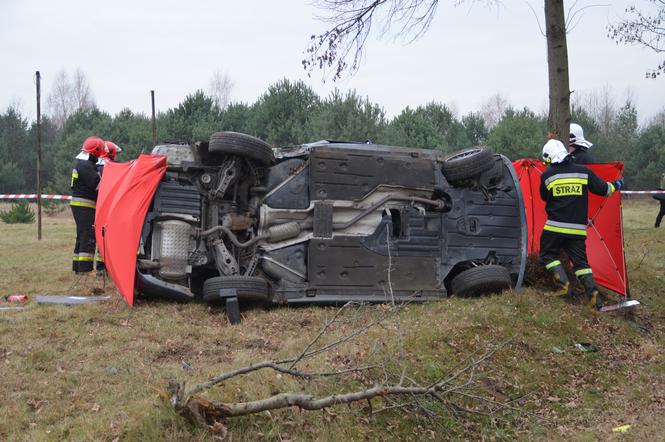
{"type": "Point", "coordinates": [32, 196]}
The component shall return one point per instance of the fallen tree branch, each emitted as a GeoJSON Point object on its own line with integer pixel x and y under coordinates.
{"type": "Point", "coordinates": [308, 402]}
{"type": "Point", "coordinates": [200, 410]}
{"type": "Point", "coordinates": [274, 366]}
{"type": "Point", "coordinates": [453, 391]}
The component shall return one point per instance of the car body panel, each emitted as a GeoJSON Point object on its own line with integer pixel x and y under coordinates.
{"type": "Point", "coordinates": [330, 222]}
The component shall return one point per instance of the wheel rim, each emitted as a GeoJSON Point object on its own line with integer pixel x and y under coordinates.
{"type": "Point", "coordinates": [465, 154]}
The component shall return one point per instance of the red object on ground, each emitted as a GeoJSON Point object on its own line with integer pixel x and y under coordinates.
{"type": "Point", "coordinates": [605, 230]}
{"type": "Point", "coordinates": [125, 193]}
{"type": "Point", "coordinates": [16, 298]}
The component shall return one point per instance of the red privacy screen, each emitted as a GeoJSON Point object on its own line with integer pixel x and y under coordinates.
{"type": "Point", "coordinates": [125, 194]}
{"type": "Point", "coordinates": [605, 231]}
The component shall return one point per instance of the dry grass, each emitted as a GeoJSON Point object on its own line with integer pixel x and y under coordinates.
{"type": "Point", "coordinates": [98, 372]}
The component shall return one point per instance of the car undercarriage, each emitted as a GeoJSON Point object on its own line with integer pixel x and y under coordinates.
{"type": "Point", "coordinates": [330, 222]}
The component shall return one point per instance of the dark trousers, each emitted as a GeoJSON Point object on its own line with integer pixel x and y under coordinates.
{"type": "Point", "coordinates": [84, 249]}
{"type": "Point", "coordinates": [551, 245]}
{"type": "Point", "coordinates": [661, 213]}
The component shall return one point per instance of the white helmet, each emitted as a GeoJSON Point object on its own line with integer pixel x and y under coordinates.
{"type": "Point", "coordinates": [577, 137]}
{"type": "Point", "coordinates": [554, 152]}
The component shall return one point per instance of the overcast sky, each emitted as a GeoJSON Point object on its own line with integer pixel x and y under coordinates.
{"type": "Point", "coordinates": [127, 48]}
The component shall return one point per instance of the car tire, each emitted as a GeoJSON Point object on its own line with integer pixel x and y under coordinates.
{"type": "Point", "coordinates": [247, 146]}
{"type": "Point", "coordinates": [481, 280]}
{"type": "Point", "coordinates": [467, 164]}
{"type": "Point", "coordinates": [248, 288]}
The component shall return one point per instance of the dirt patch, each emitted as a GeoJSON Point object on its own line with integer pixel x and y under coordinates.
{"type": "Point", "coordinates": [174, 351]}
{"type": "Point", "coordinates": [536, 276]}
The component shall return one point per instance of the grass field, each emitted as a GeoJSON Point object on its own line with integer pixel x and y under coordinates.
{"type": "Point", "coordinates": [99, 372]}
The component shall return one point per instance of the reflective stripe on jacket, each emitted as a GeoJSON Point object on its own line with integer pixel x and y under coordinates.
{"type": "Point", "coordinates": [565, 189]}
{"type": "Point", "coordinates": [82, 202]}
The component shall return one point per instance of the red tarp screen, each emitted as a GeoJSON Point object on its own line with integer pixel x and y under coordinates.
{"type": "Point", "coordinates": [125, 193]}
{"type": "Point", "coordinates": [605, 231]}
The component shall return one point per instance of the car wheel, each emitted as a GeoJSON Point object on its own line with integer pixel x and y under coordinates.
{"type": "Point", "coordinates": [248, 288]}
{"type": "Point", "coordinates": [481, 280]}
{"type": "Point", "coordinates": [467, 164]}
{"type": "Point", "coordinates": [234, 143]}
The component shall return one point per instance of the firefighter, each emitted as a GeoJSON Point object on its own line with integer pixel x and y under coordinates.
{"type": "Point", "coordinates": [564, 187]}
{"type": "Point", "coordinates": [579, 146]}
{"type": "Point", "coordinates": [84, 186]}
{"type": "Point", "coordinates": [660, 198]}
{"type": "Point", "coordinates": [109, 154]}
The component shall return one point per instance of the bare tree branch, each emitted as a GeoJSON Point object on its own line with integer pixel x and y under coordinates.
{"type": "Point", "coordinates": [457, 382]}
{"type": "Point", "coordinates": [341, 47]}
{"type": "Point", "coordinates": [68, 95]}
{"type": "Point", "coordinates": [219, 89]}
{"type": "Point", "coordinates": [493, 109]}
{"type": "Point", "coordinates": [533, 11]}
{"type": "Point", "coordinates": [325, 327]}
{"type": "Point", "coordinates": [82, 95]}
{"type": "Point", "coordinates": [643, 29]}
{"type": "Point", "coordinates": [201, 410]}
{"type": "Point", "coordinates": [453, 391]}
{"type": "Point", "coordinates": [575, 14]}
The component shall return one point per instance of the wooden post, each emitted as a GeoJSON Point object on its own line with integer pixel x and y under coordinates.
{"type": "Point", "coordinates": [154, 125]}
{"type": "Point", "coordinates": [39, 158]}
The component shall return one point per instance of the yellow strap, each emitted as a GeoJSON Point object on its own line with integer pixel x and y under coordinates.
{"type": "Point", "coordinates": [581, 272]}
{"type": "Point", "coordinates": [577, 232]}
{"type": "Point", "coordinates": [553, 264]}
{"type": "Point", "coordinates": [82, 204]}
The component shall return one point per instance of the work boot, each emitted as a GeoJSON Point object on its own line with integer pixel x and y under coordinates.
{"type": "Point", "coordinates": [564, 290]}
{"type": "Point", "coordinates": [596, 300]}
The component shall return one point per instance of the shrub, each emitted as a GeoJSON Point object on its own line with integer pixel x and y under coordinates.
{"type": "Point", "coordinates": [20, 213]}
{"type": "Point", "coordinates": [52, 208]}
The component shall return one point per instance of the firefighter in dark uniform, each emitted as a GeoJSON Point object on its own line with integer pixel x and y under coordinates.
{"type": "Point", "coordinates": [564, 187]}
{"type": "Point", "coordinates": [579, 146]}
{"type": "Point", "coordinates": [84, 185]}
{"type": "Point", "coordinates": [660, 198]}
{"type": "Point", "coordinates": [109, 154]}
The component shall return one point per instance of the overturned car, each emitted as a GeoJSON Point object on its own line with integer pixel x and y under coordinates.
{"type": "Point", "coordinates": [330, 222]}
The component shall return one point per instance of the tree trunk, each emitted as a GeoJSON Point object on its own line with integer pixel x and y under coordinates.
{"type": "Point", "coordinates": [557, 64]}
